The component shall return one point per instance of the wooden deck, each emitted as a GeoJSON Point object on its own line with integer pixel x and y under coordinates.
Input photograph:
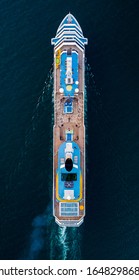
{"type": "Point", "coordinates": [73, 121]}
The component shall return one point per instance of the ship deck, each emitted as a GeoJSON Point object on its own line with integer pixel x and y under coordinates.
{"type": "Point", "coordinates": [71, 121]}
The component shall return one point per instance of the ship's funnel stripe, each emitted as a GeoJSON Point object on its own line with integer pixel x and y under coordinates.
{"type": "Point", "coordinates": [69, 43]}
{"type": "Point", "coordinates": [70, 35]}
{"type": "Point", "coordinates": [74, 29]}
{"type": "Point", "coordinates": [66, 39]}
{"type": "Point", "coordinates": [69, 27]}
{"type": "Point", "coordinates": [82, 40]}
{"type": "Point", "coordinates": [69, 32]}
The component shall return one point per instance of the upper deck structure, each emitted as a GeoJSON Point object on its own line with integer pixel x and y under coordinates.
{"type": "Point", "coordinates": [69, 130]}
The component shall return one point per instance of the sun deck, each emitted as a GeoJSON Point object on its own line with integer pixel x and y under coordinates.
{"type": "Point", "coordinates": [69, 89]}
{"type": "Point", "coordinates": [63, 185]}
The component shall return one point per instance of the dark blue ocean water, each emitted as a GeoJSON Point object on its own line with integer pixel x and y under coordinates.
{"type": "Point", "coordinates": [111, 227]}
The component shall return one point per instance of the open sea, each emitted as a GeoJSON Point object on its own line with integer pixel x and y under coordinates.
{"type": "Point", "coordinates": [111, 226]}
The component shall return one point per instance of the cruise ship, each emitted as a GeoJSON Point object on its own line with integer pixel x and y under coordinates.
{"type": "Point", "coordinates": [69, 128]}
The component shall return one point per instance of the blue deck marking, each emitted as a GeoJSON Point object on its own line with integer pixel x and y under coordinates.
{"type": "Point", "coordinates": [68, 137]}
{"type": "Point", "coordinates": [68, 107]}
{"type": "Point", "coordinates": [61, 154]}
{"type": "Point", "coordinates": [63, 85]}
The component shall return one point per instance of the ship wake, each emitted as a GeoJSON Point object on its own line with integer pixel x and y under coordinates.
{"type": "Point", "coordinates": [49, 241]}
